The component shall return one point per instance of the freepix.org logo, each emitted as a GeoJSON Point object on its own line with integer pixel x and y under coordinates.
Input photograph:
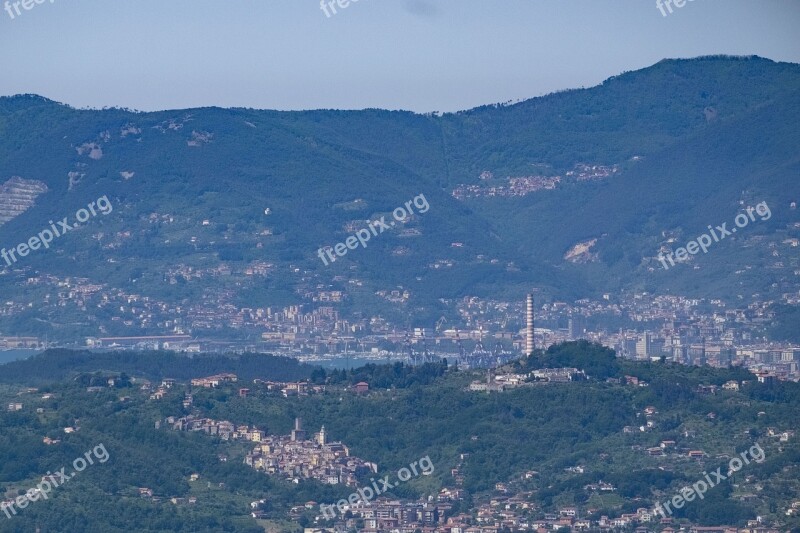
{"type": "Point", "coordinates": [364, 495]}
{"type": "Point", "coordinates": [373, 229]}
{"type": "Point", "coordinates": [326, 5]}
{"type": "Point", "coordinates": [661, 4]}
{"type": "Point", "coordinates": [699, 488]}
{"type": "Point", "coordinates": [52, 481]}
{"type": "Point", "coordinates": [13, 8]}
{"type": "Point", "coordinates": [47, 235]}
{"type": "Point", "coordinates": [704, 241]}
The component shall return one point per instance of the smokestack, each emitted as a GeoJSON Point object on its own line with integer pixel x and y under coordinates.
{"type": "Point", "coordinates": [529, 329]}
{"type": "Point", "coordinates": [298, 425]}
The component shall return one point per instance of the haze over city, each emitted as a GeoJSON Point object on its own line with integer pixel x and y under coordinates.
{"type": "Point", "coordinates": [400, 266]}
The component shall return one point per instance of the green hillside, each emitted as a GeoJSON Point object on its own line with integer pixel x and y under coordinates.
{"type": "Point", "coordinates": [573, 435]}
{"type": "Point", "coordinates": [706, 133]}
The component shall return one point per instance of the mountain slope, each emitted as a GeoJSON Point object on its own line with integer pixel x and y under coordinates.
{"type": "Point", "coordinates": [687, 140]}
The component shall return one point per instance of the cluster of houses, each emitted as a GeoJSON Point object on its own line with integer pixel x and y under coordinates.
{"type": "Point", "coordinates": [501, 382]}
{"type": "Point", "coordinates": [299, 388]}
{"type": "Point", "coordinates": [557, 375]}
{"type": "Point", "coordinates": [524, 185]}
{"type": "Point", "coordinates": [517, 186]}
{"type": "Point", "coordinates": [16, 343]}
{"type": "Point", "coordinates": [392, 515]}
{"type": "Point", "coordinates": [292, 456]}
{"type": "Point", "coordinates": [386, 514]}
{"type": "Point", "coordinates": [214, 381]}
{"type": "Point", "coordinates": [291, 388]}
{"type": "Point", "coordinates": [162, 389]}
{"type": "Point", "coordinates": [507, 514]}
{"type": "Point", "coordinates": [219, 428]}
{"type": "Point", "coordinates": [295, 457]}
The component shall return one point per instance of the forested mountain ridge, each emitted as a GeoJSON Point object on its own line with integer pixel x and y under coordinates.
{"type": "Point", "coordinates": [679, 145]}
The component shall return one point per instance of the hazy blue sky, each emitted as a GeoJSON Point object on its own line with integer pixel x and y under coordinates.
{"type": "Point", "coordinates": [422, 55]}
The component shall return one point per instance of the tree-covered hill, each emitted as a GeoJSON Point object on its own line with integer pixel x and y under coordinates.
{"type": "Point", "coordinates": [57, 364]}
{"type": "Point", "coordinates": [552, 441]}
{"type": "Point", "coordinates": [694, 142]}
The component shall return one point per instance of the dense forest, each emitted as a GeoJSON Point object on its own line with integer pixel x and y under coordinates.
{"type": "Point", "coordinates": [58, 364]}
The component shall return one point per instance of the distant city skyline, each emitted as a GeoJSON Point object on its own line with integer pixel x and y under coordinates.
{"type": "Point", "coordinates": [418, 55]}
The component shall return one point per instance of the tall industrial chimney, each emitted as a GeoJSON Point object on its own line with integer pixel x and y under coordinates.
{"type": "Point", "coordinates": [529, 329]}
